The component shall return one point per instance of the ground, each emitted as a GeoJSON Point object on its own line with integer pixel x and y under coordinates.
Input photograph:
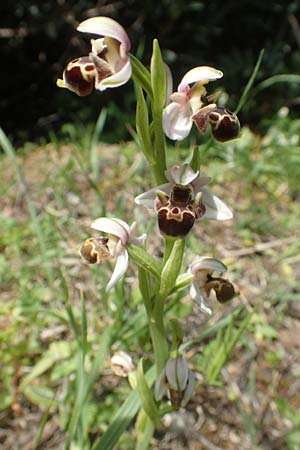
{"type": "Point", "coordinates": [45, 216]}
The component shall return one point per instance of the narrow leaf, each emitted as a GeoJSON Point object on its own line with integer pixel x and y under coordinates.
{"type": "Point", "coordinates": [146, 395]}
{"type": "Point", "coordinates": [195, 160]}
{"type": "Point", "coordinates": [144, 430]}
{"type": "Point", "coordinates": [143, 259]}
{"type": "Point", "coordinates": [141, 75]}
{"type": "Point", "coordinates": [249, 85]}
{"type": "Point", "coordinates": [142, 125]}
{"type": "Point", "coordinates": [172, 268]}
{"type": "Point", "coordinates": [123, 417]}
{"type": "Point", "coordinates": [158, 77]}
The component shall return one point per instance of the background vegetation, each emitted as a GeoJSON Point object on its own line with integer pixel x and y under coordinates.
{"type": "Point", "coordinates": [58, 327]}
{"type": "Point", "coordinates": [39, 38]}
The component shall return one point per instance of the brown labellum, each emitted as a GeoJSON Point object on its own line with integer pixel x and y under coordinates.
{"type": "Point", "coordinates": [95, 250]}
{"type": "Point", "coordinates": [225, 124]}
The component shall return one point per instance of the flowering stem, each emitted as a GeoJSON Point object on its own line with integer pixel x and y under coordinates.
{"type": "Point", "coordinates": [159, 341]}
{"type": "Point", "coordinates": [169, 243]}
{"type": "Point", "coordinates": [172, 261]}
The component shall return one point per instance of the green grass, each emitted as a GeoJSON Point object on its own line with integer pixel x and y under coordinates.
{"type": "Point", "coordinates": [58, 326]}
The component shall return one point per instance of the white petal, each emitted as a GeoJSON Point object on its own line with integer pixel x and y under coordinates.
{"type": "Point", "coordinates": [183, 175]}
{"type": "Point", "coordinates": [215, 208]}
{"type": "Point", "coordinates": [138, 240]}
{"type": "Point", "coordinates": [147, 198]}
{"type": "Point", "coordinates": [169, 81]}
{"type": "Point", "coordinates": [171, 373]}
{"type": "Point", "coordinates": [207, 263]}
{"type": "Point", "coordinates": [199, 183]}
{"type": "Point", "coordinates": [116, 227]}
{"type": "Point", "coordinates": [198, 297]}
{"type": "Point", "coordinates": [119, 270]}
{"type": "Point", "coordinates": [193, 291]}
{"type": "Point", "coordinates": [117, 79]}
{"type": "Point", "coordinates": [182, 371]}
{"type": "Point", "coordinates": [177, 122]}
{"type": "Point", "coordinates": [190, 389]}
{"type": "Point", "coordinates": [179, 97]}
{"type": "Point", "coordinates": [201, 73]}
{"type": "Point", "coordinates": [104, 26]}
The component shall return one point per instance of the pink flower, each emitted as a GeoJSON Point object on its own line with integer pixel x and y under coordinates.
{"type": "Point", "coordinates": [203, 268]}
{"type": "Point", "coordinates": [107, 65]}
{"type": "Point", "coordinates": [189, 104]}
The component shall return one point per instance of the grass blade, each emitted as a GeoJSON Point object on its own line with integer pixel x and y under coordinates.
{"type": "Point", "coordinates": [249, 85]}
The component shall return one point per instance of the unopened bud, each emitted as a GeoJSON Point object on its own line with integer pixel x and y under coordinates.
{"type": "Point", "coordinates": [121, 364]}
{"type": "Point", "coordinates": [177, 380]}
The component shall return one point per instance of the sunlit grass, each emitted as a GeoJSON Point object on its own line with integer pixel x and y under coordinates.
{"type": "Point", "coordinates": [58, 326]}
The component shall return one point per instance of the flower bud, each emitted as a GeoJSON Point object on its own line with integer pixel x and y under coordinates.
{"type": "Point", "coordinates": [121, 364]}
{"type": "Point", "coordinates": [225, 124]}
{"type": "Point", "coordinates": [95, 250]}
{"type": "Point", "coordinates": [177, 380]}
{"type": "Point", "coordinates": [79, 76]}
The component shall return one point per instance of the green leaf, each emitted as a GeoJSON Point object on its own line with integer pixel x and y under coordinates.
{"type": "Point", "coordinates": [145, 288]}
{"type": "Point", "coordinates": [172, 268]}
{"type": "Point", "coordinates": [142, 125]}
{"type": "Point", "coordinates": [123, 417]}
{"type": "Point", "coordinates": [141, 75]}
{"type": "Point", "coordinates": [57, 352]}
{"type": "Point", "coordinates": [144, 430]}
{"type": "Point", "coordinates": [146, 395]}
{"type": "Point", "coordinates": [249, 85]}
{"type": "Point", "coordinates": [183, 281]}
{"type": "Point", "coordinates": [213, 329]}
{"type": "Point", "coordinates": [41, 396]}
{"type": "Point", "coordinates": [158, 77]}
{"type": "Point", "coordinates": [158, 82]}
{"type": "Point", "coordinates": [195, 160]}
{"type": "Point", "coordinates": [280, 78]}
{"type": "Point", "coordinates": [143, 259]}
{"type": "Point", "coordinates": [85, 383]}
{"type": "Point", "coordinates": [226, 341]}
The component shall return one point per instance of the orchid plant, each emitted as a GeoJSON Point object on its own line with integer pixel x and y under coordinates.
{"type": "Point", "coordinates": [179, 199]}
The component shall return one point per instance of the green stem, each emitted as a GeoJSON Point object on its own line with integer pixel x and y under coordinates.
{"type": "Point", "coordinates": [169, 243]}
{"type": "Point", "coordinates": [159, 340]}
{"type": "Point", "coordinates": [172, 261]}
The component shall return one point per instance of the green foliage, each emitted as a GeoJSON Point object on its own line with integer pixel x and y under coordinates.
{"type": "Point", "coordinates": [40, 274]}
{"type": "Point", "coordinates": [40, 38]}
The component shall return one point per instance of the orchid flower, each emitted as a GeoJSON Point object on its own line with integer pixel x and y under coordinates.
{"type": "Point", "coordinates": [99, 249]}
{"type": "Point", "coordinates": [107, 65]}
{"type": "Point", "coordinates": [183, 200]}
{"type": "Point", "coordinates": [202, 268]}
{"type": "Point", "coordinates": [187, 101]}
{"type": "Point", "coordinates": [191, 105]}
